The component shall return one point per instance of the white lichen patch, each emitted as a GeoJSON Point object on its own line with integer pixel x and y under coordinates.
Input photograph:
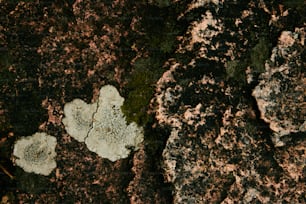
{"type": "Point", "coordinates": [78, 120]}
{"type": "Point", "coordinates": [36, 153]}
{"type": "Point", "coordinates": [102, 126]}
{"type": "Point", "coordinates": [110, 136]}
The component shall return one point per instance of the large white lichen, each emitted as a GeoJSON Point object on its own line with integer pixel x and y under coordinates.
{"type": "Point", "coordinates": [102, 125]}
{"type": "Point", "coordinates": [36, 153]}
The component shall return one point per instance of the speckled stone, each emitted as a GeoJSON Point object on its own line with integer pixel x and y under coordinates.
{"type": "Point", "coordinates": [281, 92]}
{"type": "Point", "coordinates": [218, 150]}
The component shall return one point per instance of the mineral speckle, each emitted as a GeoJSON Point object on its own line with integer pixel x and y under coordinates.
{"type": "Point", "coordinates": [216, 151]}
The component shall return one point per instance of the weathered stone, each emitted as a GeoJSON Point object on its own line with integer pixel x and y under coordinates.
{"type": "Point", "coordinates": [218, 150]}
{"type": "Point", "coordinates": [280, 94]}
{"type": "Point", "coordinates": [102, 125]}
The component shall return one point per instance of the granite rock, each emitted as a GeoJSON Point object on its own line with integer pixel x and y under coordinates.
{"type": "Point", "coordinates": [208, 142]}
{"type": "Point", "coordinates": [281, 92]}
{"type": "Point", "coordinates": [219, 151]}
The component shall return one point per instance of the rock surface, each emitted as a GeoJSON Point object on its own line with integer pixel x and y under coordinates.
{"type": "Point", "coordinates": [281, 92]}
{"type": "Point", "coordinates": [217, 152]}
{"type": "Point", "coordinates": [198, 62]}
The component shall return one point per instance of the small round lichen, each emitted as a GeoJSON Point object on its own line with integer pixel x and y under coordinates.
{"type": "Point", "coordinates": [36, 153]}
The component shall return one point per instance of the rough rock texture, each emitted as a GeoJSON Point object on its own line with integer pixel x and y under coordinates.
{"type": "Point", "coordinates": [281, 93]}
{"type": "Point", "coordinates": [217, 152]}
{"type": "Point", "coordinates": [145, 186]}
{"type": "Point", "coordinates": [207, 140]}
{"type": "Point", "coordinates": [62, 50]}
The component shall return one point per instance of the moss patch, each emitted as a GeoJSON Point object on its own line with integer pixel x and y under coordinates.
{"type": "Point", "coordinates": [157, 44]}
{"type": "Point", "coordinates": [256, 58]}
{"type": "Point", "coordinates": [259, 54]}
{"type": "Point", "coordinates": [140, 91]}
{"type": "Point", "coordinates": [235, 70]}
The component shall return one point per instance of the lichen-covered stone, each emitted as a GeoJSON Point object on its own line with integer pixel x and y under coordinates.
{"type": "Point", "coordinates": [280, 94]}
{"type": "Point", "coordinates": [78, 118]}
{"type": "Point", "coordinates": [77, 46]}
{"type": "Point", "coordinates": [110, 136]}
{"type": "Point", "coordinates": [36, 153]}
{"type": "Point", "coordinates": [102, 125]}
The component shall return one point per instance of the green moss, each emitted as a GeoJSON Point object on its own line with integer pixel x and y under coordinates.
{"type": "Point", "coordinates": [258, 46]}
{"type": "Point", "coordinates": [161, 3]}
{"type": "Point", "coordinates": [159, 42]}
{"type": "Point", "coordinates": [6, 77]}
{"type": "Point", "coordinates": [140, 92]}
{"type": "Point", "coordinates": [235, 70]}
{"type": "Point", "coordinates": [136, 106]}
{"type": "Point", "coordinates": [4, 59]}
{"type": "Point", "coordinates": [31, 183]}
{"type": "Point", "coordinates": [259, 54]}
{"type": "Point", "coordinates": [168, 41]}
{"type": "Point", "coordinates": [294, 3]}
